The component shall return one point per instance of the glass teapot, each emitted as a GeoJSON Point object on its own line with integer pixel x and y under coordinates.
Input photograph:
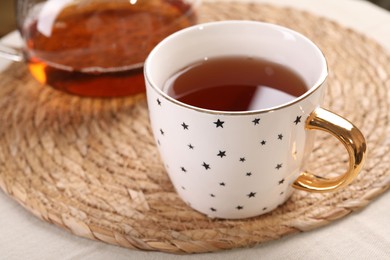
{"type": "Point", "coordinates": [96, 48]}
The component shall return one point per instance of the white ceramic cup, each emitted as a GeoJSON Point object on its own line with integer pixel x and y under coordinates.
{"type": "Point", "coordinates": [243, 164]}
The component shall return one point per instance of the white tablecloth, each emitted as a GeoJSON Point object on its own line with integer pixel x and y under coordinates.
{"type": "Point", "coordinates": [361, 235]}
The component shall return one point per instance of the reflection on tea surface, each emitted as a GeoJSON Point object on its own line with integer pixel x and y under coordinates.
{"type": "Point", "coordinates": [235, 83]}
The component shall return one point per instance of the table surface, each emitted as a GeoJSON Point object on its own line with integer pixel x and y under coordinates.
{"type": "Point", "coordinates": [361, 235]}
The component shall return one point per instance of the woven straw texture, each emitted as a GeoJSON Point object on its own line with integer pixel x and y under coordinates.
{"type": "Point", "coordinates": [91, 167]}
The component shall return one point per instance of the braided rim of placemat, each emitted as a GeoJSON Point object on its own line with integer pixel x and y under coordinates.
{"type": "Point", "coordinates": [90, 166]}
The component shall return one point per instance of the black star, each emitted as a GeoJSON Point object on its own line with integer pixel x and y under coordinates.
{"type": "Point", "coordinates": [185, 126]}
{"type": "Point", "coordinates": [191, 146]}
{"type": "Point", "coordinates": [263, 142]}
{"type": "Point", "coordinates": [281, 181]}
{"type": "Point", "coordinates": [265, 208]}
{"type": "Point", "coordinates": [280, 136]}
{"type": "Point", "coordinates": [282, 193]}
{"type": "Point", "coordinates": [162, 132]}
{"type": "Point", "coordinates": [158, 102]}
{"type": "Point", "coordinates": [219, 123]}
{"type": "Point", "coordinates": [221, 184]}
{"type": "Point", "coordinates": [183, 169]}
{"type": "Point", "coordinates": [213, 209]}
{"type": "Point", "coordinates": [256, 121]}
{"type": "Point", "coordinates": [248, 174]}
{"type": "Point", "coordinates": [297, 120]}
{"type": "Point", "coordinates": [206, 166]}
{"type": "Point", "coordinates": [212, 195]}
{"type": "Point", "coordinates": [183, 187]}
{"type": "Point", "coordinates": [242, 159]}
{"type": "Point", "coordinates": [221, 154]}
{"type": "Point", "coordinates": [278, 166]}
{"type": "Point", "coordinates": [252, 194]}
{"type": "Point", "coordinates": [239, 207]}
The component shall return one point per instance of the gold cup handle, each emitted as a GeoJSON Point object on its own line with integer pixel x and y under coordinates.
{"type": "Point", "coordinates": [350, 137]}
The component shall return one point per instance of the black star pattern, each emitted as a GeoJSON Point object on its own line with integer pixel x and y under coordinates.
{"type": "Point", "coordinates": [219, 123]}
{"type": "Point", "coordinates": [221, 154]}
{"type": "Point", "coordinates": [256, 121]}
{"type": "Point", "coordinates": [251, 195]}
{"type": "Point", "coordinates": [206, 166]}
{"type": "Point", "coordinates": [185, 126]}
{"type": "Point", "coordinates": [297, 120]}
{"type": "Point", "coordinates": [158, 102]}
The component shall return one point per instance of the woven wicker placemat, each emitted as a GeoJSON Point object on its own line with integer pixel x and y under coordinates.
{"type": "Point", "coordinates": [90, 166]}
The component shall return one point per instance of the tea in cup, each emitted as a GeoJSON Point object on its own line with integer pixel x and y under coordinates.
{"type": "Point", "coordinates": [233, 106]}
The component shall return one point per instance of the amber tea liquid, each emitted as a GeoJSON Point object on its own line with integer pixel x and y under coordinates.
{"type": "Point", "coordinates": [97, 48]}
{"type": "Point", "coordinates": [235, 84]}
